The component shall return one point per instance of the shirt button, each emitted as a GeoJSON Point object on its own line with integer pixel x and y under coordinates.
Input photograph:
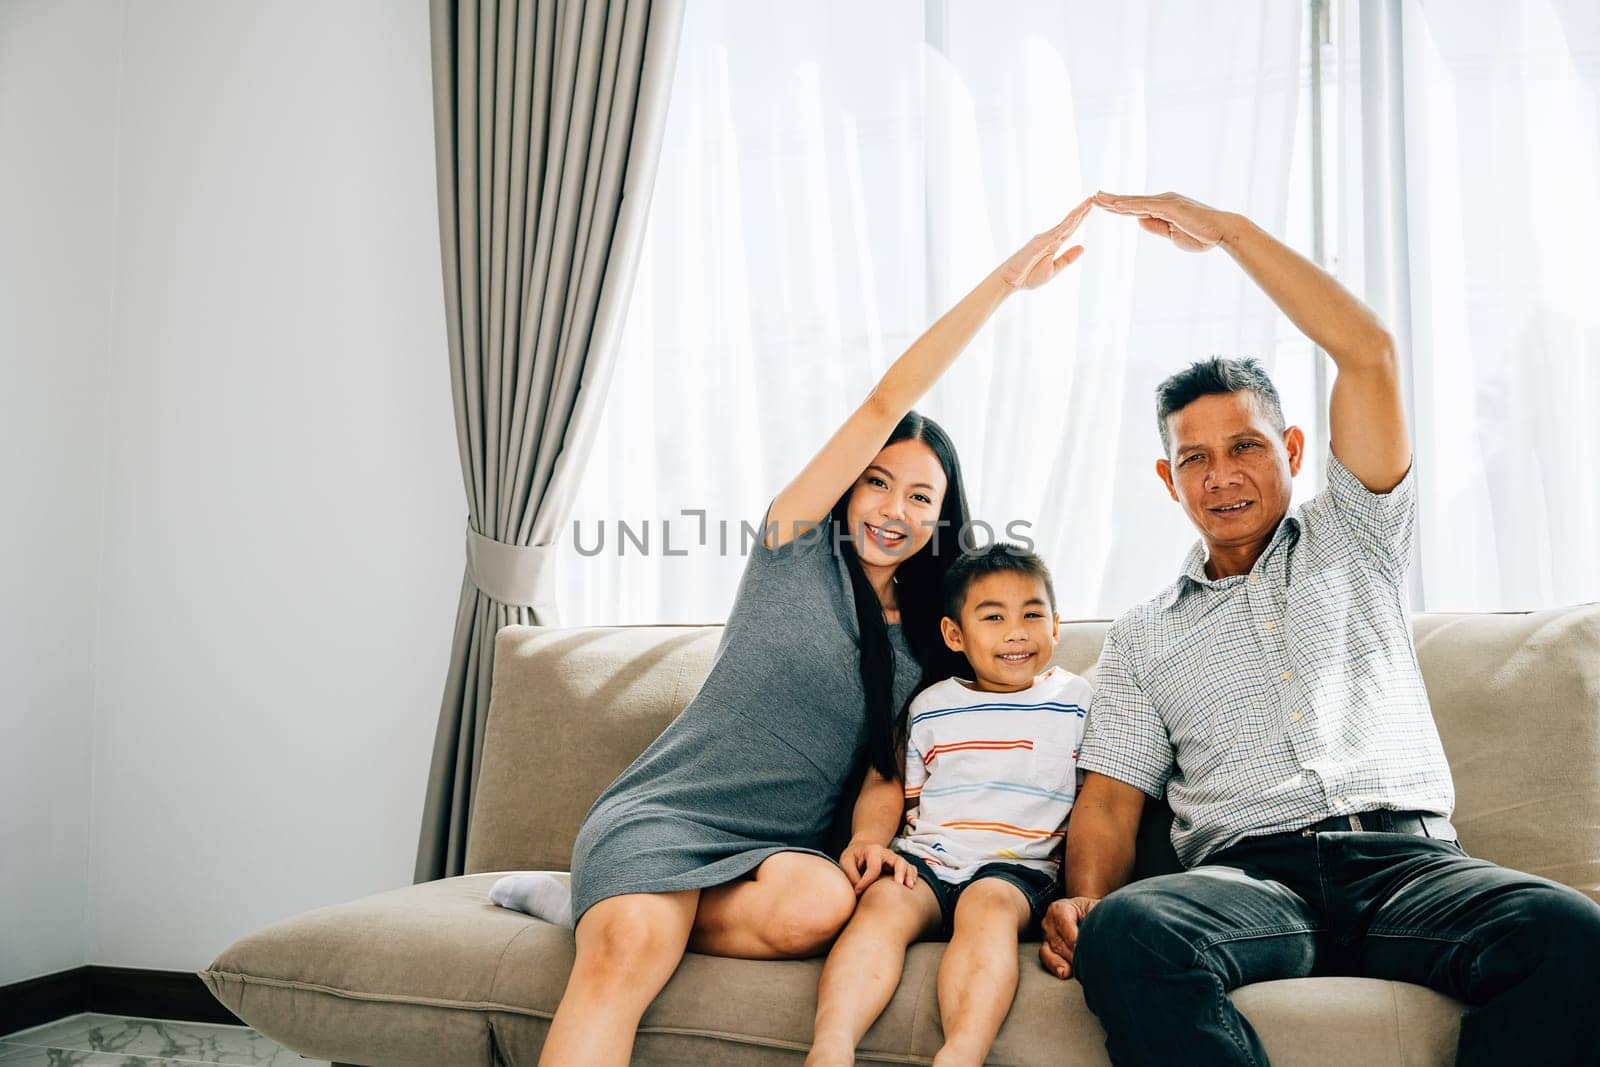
{"type": "Point", "coordinates": [1295, 716]}
{"type": "Point", "coordinates": [1286, 675]}
{"type": "Point", "coordinates": [1339, 800]}
{"type": "Point", "coordinates": [1268, 625]}
{"type": "Point", "coordinates": [1252, 577]}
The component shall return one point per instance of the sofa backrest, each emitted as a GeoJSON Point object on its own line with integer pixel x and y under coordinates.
{"type": "Point", "coordinates": [1516, 698]}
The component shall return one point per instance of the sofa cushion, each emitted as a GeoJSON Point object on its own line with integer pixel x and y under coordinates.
{"type": "Point", "coordinates": [400, 977]}
{"type": "Point", "coordinates": [568, 711]}
{"type": "Point", "coordinates": [434, 973]}
{"type": "Point", "coordinates": [1517, 702]}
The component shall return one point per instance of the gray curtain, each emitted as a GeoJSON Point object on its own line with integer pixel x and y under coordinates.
{"type": "Point", "coordinates": [548, 118]}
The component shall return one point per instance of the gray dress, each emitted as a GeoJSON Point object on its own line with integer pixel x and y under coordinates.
{"type": "Point", "coordinates": [758, 761]}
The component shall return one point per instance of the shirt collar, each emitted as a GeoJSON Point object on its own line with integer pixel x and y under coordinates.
{"type": "Point", "coordinates": [1194, 563]}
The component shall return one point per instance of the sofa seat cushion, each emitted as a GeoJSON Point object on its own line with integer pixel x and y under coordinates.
{"type": "Point", "coordinates": [405, 976]}
{"type": "Point", "coordinates": [435, 973]}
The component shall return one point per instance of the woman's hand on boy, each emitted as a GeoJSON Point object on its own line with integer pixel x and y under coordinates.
{"type": "Point", "coordinates": [1061, 924]}
{"type": "Point", "coordinates": [864, 861]}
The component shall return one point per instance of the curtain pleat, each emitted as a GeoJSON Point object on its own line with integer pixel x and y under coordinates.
{"type": "Point", "coordinates": [548, 118]}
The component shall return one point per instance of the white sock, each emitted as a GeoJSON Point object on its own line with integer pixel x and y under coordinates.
{"type": "Point", "coordinates": [540, 894]}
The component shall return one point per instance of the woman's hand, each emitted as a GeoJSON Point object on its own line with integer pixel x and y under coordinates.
{"type": "Point", "coordinates": [865, 861]}
{"type": "Point", "coordinates": [1037, 262]}
{"type": "Point", "coordinates": [833, 471]}
{"type": "Point", "coordinates": [1189, 224]}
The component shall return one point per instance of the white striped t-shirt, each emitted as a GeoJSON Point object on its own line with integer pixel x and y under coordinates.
{"type": "Point", "coordinates": [992, 775]}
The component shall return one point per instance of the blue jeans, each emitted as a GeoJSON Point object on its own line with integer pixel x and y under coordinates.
{"type": "Point", "coordinates": [1157, 957]}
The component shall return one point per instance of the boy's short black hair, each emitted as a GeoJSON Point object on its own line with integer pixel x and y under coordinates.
{"type": "Point", "coordinates": [1002, 557]}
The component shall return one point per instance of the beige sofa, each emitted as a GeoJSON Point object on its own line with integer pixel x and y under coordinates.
{"type": "Point", "coordinates": [435, 974]}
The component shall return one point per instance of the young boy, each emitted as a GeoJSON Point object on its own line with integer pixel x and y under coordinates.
{"type": "Point", "coordinates": [990, 774]}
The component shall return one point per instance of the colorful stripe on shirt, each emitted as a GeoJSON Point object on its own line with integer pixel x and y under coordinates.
{"type": "Point", "coordinates": [1003, 828]}
{"type": "Point", "coordinates": [988, 745]}
{"type": "Point", "coordinates": [1004, 787]}
{"type": "Point", "coordinates": [1056, 706]}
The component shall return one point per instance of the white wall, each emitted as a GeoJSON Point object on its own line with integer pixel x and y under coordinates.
{"type": "Point", "coordinates": [58, 77]}
{"type": "Point", "coordinates": [280, 542]}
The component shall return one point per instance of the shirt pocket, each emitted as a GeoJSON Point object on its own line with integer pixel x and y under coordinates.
{"type": "Point", "coordinates": [1053, 765]}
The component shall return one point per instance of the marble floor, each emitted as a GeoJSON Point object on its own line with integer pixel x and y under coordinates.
{"type": "Point", "coordinates": [105, 1040]}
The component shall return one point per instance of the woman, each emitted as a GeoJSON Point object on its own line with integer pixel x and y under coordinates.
{"type": "Point", "coordinates": [709, 841]}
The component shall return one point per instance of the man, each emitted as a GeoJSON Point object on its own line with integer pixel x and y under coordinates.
{"type": "Point", "coordinates": [1273, 693]}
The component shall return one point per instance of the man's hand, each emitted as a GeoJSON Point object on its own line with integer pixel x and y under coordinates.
{"type": "Point", "coordinates": [865, 861]}
{"type": "Point", "coordinates": [1191, 225]}
{"type": "Point", "coordinates": [1061, 924]}
{"type": "Point", "coordinates": [1366, 413]}
{"type": "Point", "coordinates": [1037, 262]}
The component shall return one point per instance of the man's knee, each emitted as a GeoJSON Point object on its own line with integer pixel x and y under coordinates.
{"type": "Point", "coordinates": [1557, 927]}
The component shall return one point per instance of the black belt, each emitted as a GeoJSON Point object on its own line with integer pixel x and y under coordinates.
{"type": "Point", "coordinates": [1416, 823]}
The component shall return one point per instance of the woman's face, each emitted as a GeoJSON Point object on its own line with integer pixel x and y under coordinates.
{"type": "Point", "coordinates": [894, 508]}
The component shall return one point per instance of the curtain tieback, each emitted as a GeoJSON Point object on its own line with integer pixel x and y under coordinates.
{"type": "Point", "coordinates": [511, 574]}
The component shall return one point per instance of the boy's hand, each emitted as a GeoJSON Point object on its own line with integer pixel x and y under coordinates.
{"type": "Point", "coordinates": [865, 861]}
{"type": "Point", "coordinates": [1061, 924]}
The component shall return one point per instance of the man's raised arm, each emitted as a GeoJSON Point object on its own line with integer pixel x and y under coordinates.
{"type": "Point", "coordinates": [1367, 412]}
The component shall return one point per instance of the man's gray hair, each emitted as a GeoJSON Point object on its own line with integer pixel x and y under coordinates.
{"type": "Point", "coordinates": [1210, 377]}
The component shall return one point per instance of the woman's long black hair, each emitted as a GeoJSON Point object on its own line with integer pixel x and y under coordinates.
{"type": "Point", "coordinates": [919, 590]}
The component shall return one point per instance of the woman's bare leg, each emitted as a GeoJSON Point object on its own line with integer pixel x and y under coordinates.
{"type": "Point", "coordinates": [978, 975]}
{"type": "Point", "coordinates": [628, 946]}
{"type": "Point", "coordinates": [864, 967]}
{"type": "Point", "coordinates": [793, 908]}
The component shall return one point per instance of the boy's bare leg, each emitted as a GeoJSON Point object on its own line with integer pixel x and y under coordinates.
{"type": "Point", "coordinates": [978, 975]}
{"type": "Point", "coordinates": [864, 967]}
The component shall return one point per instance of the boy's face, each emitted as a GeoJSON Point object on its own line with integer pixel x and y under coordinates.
{"type": "Point", "coordinates": [1007, 630]}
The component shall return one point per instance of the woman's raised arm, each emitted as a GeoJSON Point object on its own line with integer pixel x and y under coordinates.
{"type": "Point", "coordinates": [807, 499]}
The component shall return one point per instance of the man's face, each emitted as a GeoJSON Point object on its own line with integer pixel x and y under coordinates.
{"type": "Point", "coordinates": [1231, 469]}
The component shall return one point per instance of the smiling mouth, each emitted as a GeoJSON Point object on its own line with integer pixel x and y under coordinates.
{"type": "Point", "coordinates": [889, 538]}
{"type": "Point", "coordinates": [1014, 657]}
{"type": "Point", "coordinates": [1231, 509]}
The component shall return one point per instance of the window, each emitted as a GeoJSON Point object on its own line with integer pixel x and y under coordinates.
{"type": "Point", "coordinates": [824, 197]}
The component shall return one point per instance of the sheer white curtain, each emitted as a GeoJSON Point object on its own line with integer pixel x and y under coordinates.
{"type": "Point", "coordinates": [834, 175]}
{"type": "Point", "coordinates": [1503, 168]}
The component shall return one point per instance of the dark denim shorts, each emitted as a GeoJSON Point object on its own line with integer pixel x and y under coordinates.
{"type": "Point", "coordinates": [1037, 887]}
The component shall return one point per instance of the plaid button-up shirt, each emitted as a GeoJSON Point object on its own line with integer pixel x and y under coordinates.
{"type": "Point", "coordinates": [1266, 701]}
